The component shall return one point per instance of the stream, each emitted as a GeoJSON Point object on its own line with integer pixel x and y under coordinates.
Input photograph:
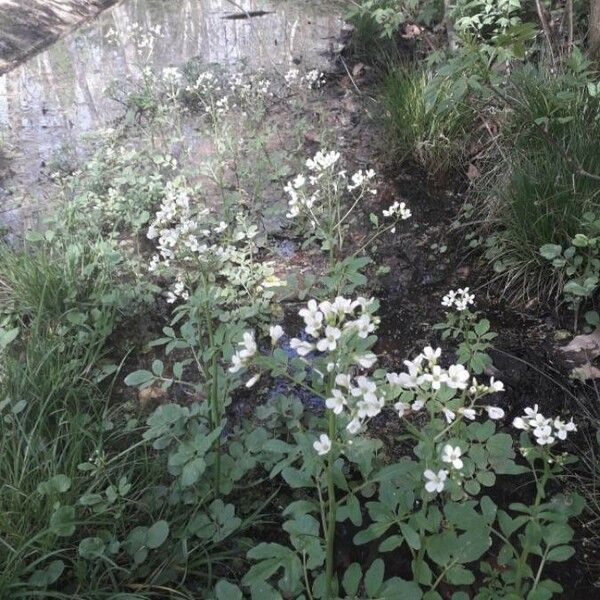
{"type": "Point", "coordinates": [49, 102]}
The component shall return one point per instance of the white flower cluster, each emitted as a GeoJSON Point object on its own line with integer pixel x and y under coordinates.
{"type": "Point", "coordinates": [326, 321]}
{"type": "Point", "coordinates": [460, 299]}
{"type": "Point", "coordinates": [142, 36]}
{"type": "Point", "coordinates": [398, 208]}
{"type": "Point", "coordinates": [545, 430]}
{"type": "Point", "coordinates": [249, 87]}
{"type": "Point", "coordinates": [322, 161]}
{"type": "Point", "coordinates": [304, 199]}
{"type": "Point", "coordinates": [312, 80]}
{"type": "Point", "coordinates": [207, 84]}
{"type": "Point", "coordinates": [424, 374]}
{"type": "Point", "coordinates": [171, 76]}
{"type": "Point", "coordinates": [247, 349]}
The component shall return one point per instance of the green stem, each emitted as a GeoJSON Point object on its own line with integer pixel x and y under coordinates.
{"type": "Point", "coordinates": [214, 388]}
{"type": "Point", "coordinates": [540, 494]}
{"type": "Point", "coordinates": [331, 514]}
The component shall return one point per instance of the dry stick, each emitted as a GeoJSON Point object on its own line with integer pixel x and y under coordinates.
{"type": "Point", "coordinates": [256, 36]}
{"type": "Point", "coordinates": [569, 9]}
{"type": "Point", "coordinates": [574, 163]}
{"type": "Point", "coordinates": [547, 33]}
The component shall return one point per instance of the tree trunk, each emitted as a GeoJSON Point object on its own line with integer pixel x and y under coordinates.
{"type": "Point", "coordinates": [594, 30]}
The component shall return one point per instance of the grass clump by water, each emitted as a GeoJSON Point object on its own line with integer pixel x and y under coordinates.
{"type": "Point", "coordinates": [536, 195]}
{"type": "Point", "coordinates": [417, 128]}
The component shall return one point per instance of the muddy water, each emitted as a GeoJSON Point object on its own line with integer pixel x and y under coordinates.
{"type": "Point", "coordinates": [50, 101]}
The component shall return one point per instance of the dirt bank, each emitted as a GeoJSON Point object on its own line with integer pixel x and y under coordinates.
{"type": "Point", "coordinates": [28, 26]}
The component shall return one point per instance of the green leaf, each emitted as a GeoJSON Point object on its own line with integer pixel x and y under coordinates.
{"type": "Point", "coordinates": [139, 378]}
{"type": "Point", "coordinates": [227, 591]}
{"type": "Point", "coordinates": [55, 485]}
{"type": "Point", "coordinates": [7, 336]}
{"type": "Point", "coordinates": [62, 521]}
{"type": "Point", "coordinates": [411, 536]}
{"type": "Point", "coordinates": [560, 553]}
{"type": "Point", "coordinates": [374, 577]}
{"type": "Point", "coordinates": [551, 251]}
{"type": "Point", "coordinates": [157, 534]}
{"type": "Point", "coordinates": [351, 579]}
{"type": "Point", "coordinates": [91, 547]}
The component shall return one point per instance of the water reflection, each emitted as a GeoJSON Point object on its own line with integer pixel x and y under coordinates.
{"type": "Point", "coordinates": [49, 101]}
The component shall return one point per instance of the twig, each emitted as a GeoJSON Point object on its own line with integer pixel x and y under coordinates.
{"type": "Point", "coordinates": [547, 33]}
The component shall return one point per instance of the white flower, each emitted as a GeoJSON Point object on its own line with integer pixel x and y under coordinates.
{"type": "Point", "coordinates": [322, 161]}
{"type": "Point", "coordinates": [453, 456]}
{"type": "Point", "coordinates": [458, 377]}
{"type": "Point", "coordinates": [544, 436]}
{"type": "Point", "coordinates": [342, 380]}
{"type": "Point", "coordinates": [397, 208]}
{"type": "Point", "coordinates": [364, 387]}
{"type": "Point", "coordinates": [401, 408]}
{"type": "Point", "coordinates": [435, 481]}
{"type": "Point", "coordinates": [496, 386]}
{"type": "Point", "coordinates": [405, 380]}
{"type": "Point", "coordinates": [329, 342]}
{"type": "Point", "coordinates": [563, 428]}
{"type": "Point", "coordinates": [430, 354]}
{"type": "Point", "coordinates": [252, 380]}
{"type": "Point", "coordinates": [519, 423]}
{"type": "Point", "coordinates": [313, 317]}
{"type": "Point", "coordinates": [450, 416]}
{"type": "Point", "coordinates": [301, 347]}
{"type": "Point", "coordinates": [417, 405]}
{"type": "Point", "coordinates": [494, 412]}
{"type": "Point", "coordinates": [236, 364]}
{"type": "Point", "coordinates": [460, 299]}
{"type": "Point", "coordinates": [363, 326]}
{"type": "Point", "coordinates": [532, 413]}
{"type": "Point", "coordinates": [468, 413]}
{"type": "Point", "coordinates": [275, 331]}
{"type": "Point", "coordinates": [436, 377]}
{"type": "Point", "coordinates": [354, 426]}
{"type": "Point", "coordinates": [366, 361]}
{"type": "Point", "coordinates": [370, 406]}
{"type": "Point", "coordinates": [322, 445]}
{"type": "Point", "coordinates": [336, 402]}
{"type": "Point", "coordinates": [248, 350]}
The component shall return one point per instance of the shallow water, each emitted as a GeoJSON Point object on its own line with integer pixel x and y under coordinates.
{"type": "Point", "coordinates": [48, 102]}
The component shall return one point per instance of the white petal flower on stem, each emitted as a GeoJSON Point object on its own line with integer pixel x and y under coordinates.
{"type": "Point", "coordinates": [468, 413]}
{"type": "Point", "coordinates": [436, 377]}
{"type": "Point", "coordinates": [329, 342]}
{"type": "Point", "coordinates": [275, 331]}
{"type": "Point", "coordinates": [452, 455]}
{"type": "Point", "coordinates": [458, 377]}
{"type": "Point", "coordinates": [366, 361]}
{"type": "Point", "coordinates": [342, 380]}
{"type": "Point", "coordinates": [562, 428]}
{"type": "Point", "coordinates": [430, 354]}
{"type": "Point", "coordinates": [406, 380]}
{"type": "Point", "coordinates": [364, 386]}
{"type": "Point", "coordinates": [417, 405]}
{"type": "Point", "coordinates": [354, 426]}
{"type": "Point", "coordinates": [519, 423]}
{"type": "Point", "coordinates": [435, 482]}
{"type": "Point", "coordinates": [301, 347]}
{"type": "Point", "coordinates": [494, 412]}
{"type": "Point", "coordinates": [322, 445]}
{"type": "Point", "coordinates": [336, 402]}
{"type": "Point", "coordinates": [531, 413]}
{"type": "Point", "coordinates": [496, 386]}
{"type": "Point", "coordinates": [401, 408]}
{"type": "Point", "coordinates": [450, 415]}
{"type": "Point", "coordinates": [252, 380]}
